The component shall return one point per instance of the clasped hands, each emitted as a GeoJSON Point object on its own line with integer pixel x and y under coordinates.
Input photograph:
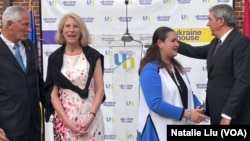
{"type": "Point", "coordinates": [80, 127]}
{"type": "Point", "coordinates": [196, 115]}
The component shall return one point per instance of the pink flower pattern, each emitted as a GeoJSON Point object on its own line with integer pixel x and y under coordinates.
{"type": "Point", "coordinates": [75, 68]}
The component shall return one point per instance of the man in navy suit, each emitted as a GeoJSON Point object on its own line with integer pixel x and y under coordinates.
{"type": "Point", "coordinates": [20, 115]}
{"type": "Point", "coordinates": [228, 68]}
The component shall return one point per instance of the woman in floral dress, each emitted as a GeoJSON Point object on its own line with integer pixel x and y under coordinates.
{"type": "Point", "coordinates": [77, 115]}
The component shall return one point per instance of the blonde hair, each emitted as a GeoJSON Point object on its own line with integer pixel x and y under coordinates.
{"type": "Point", "coordinates": [85, 38]}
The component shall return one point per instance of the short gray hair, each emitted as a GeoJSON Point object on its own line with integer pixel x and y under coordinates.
{"type": "Point", "coordinates": [224, 11]}
{"type": "Point", "coordinates": [12, 13]}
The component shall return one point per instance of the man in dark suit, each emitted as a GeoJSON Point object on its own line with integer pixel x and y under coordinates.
{"type": "Point", "coordinates": [20, 84]}
{"type": "Point", "coordinates": [228, 68]}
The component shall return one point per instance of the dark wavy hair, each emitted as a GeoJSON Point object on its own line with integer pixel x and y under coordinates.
{"type": "Point", "coordinates": [153, 52]}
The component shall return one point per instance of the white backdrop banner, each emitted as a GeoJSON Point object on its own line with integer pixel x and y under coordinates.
{"type": "Point", "coordinates": [106, 21]}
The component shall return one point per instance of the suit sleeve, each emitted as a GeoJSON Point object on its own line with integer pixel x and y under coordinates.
{"type": "Point", "coordinates": [241, 70]}
{"type": "Point", "coordinates": [198, 52]}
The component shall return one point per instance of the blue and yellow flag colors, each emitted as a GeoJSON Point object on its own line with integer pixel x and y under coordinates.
{"type": "Point", "coordinates": [32, 35]}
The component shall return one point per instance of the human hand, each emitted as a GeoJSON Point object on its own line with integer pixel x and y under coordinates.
{"type": "Point", "coordinates": [75, 126]}
{"type": "Point", "coordinates": [197, 115]}
{"type": "Point", "coordinates": [225, 121]}
{"type": "Point", "coordinates": [2, 135]}
{"type": "Point", "coordinates": [87, 122]}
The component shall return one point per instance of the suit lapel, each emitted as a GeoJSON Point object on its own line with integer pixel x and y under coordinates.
{"type": "Point", "coordinates": [212, 59]}
{"type": "Point", "coordinates": [28, 51]}
{"type": "Point", "coordinates": [6, 52]}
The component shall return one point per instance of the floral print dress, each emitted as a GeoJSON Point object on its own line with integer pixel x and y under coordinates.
{"type": "Point", "coordinates": [75, 68]}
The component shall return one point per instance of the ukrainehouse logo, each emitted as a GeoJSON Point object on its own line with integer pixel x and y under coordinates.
{"type": "Point", "coordinates": [108, 39]}
{"type": "Point", "coordinates": [126, 86]}
{"type": "Point", "coordinates": [90, 2]}
{"type": "Point", "coordinates": [107, 2]}
{"type": "Point", "coordinates": [183, 1]}
{"type": "Point", "coordinates": [49, 20]}
{"type": "Point", "coordinates": [69, 3]}
{"type": "Point", "coordinates": [126, 120]}
{"type": "Point", "coordinates": [194, 34]}
{"type": "Point", "coordinates": [201, 17]}
{"type": "Point", "coordinates": [223, 0]}
{"type": "Point", "coordinates": [168, 2]}
{"type": "Point", "coordinates": [145, 2]}
{"type": "Point", "coordinates": [146, 37]}
{"type": "Point", "coordinates": [187, 69]}
{"type": "Point", "coordinates": [52, 3]}
{"type": "Point", "coordinates": [163, 18]}
{"type": "Point", "coordinates": [110, 137]}
{"type": "Point", "coordinates": [88, 19]}
{"type": "Point", "coordinates": [146, 18]}
{"type": "Point", "coordinates": [109, 103]}
{"type": "Point", "coordinates": [123, 19]}
{"type": "Point", "coordinates": [201, 85]}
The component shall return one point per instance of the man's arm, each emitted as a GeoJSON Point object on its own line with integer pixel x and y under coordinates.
{"type": "Point", "coordinates": [198, 52]}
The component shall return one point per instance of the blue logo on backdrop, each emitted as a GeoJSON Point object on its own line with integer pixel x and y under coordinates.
{"type": "Point", "coordinates": [167, 1]}
{"type": "Point", "coordinates": [52, 3]}
{"type": "Point", "coordinates": [108, 19]}
{"type": "Point", "coordinates": [146, 18]}
{"type": "Point", "coordinates": [185, 17]}
{"type": "Point", "coordinates": [91, 2]}
{"type": "Point", "coordinates": [123, 59]}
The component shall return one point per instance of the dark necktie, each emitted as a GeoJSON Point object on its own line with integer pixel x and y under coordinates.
{"type": "Point", "coordinates": [217, 47]}
{"type": "Point", "coordinates": [18, 56]}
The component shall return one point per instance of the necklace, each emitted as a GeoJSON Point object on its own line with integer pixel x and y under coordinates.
{"type": "Point", "coordinates": [173, 75]}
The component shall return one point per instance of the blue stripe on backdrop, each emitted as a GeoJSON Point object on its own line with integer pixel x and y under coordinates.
{"type": "Point", "coordinates": [48, 36]}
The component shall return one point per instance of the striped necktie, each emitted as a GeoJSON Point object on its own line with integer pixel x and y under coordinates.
{"type": "Point", "coordinates": [18, 56]}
